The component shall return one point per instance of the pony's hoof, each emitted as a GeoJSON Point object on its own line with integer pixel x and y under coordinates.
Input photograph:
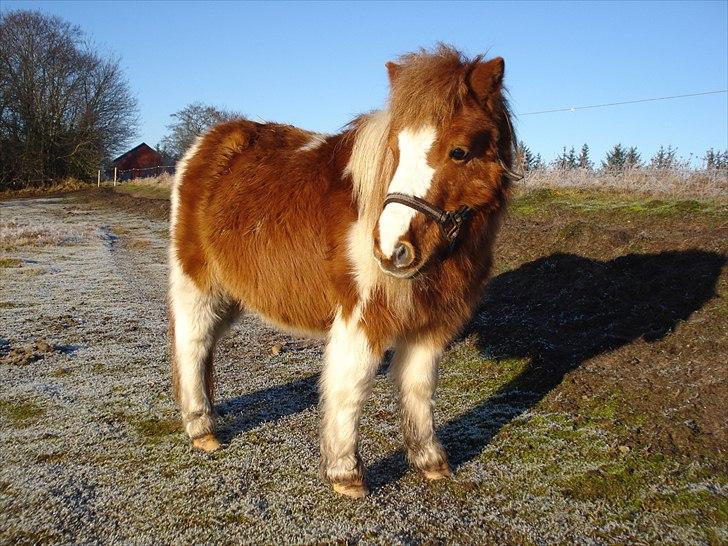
{"type": "Point", "coordinates": [354, 490]}
{"type": "Point", "coordinates": [440, 473]}
{"type": "Point", "coordinates": [207, 443]}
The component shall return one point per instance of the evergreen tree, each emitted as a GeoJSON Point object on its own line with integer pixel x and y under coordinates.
{"type": "Point", "coordinates": [526, 159]}
{"type": "Point", "coordinates": [665, 158]}
{"type": "Point", "coordinates": [633, 159]}
{"type": "Point", "coordinates": [537, 163]}
{"type": "Point", "coordinates": [715, 159]}
{"type": "Point", "coordinates": [709, 159]}
{"type": "Point", "coordinates": [584, 162]}
{"type": "Point", "coordinates": [566, 160]}
{"type": "Point", "coordinates": [616, 159]}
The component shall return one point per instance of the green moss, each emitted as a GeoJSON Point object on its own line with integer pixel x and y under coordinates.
{"type": "Point", "coordinates": [691, 504]}
{"type": "Point", "coordinates": [466, 372]}
{"type": "Point", "coordinates": [7, 305]}
{"type": "Point", "coordinates": [149, 427]}
{"type": "Point", "coordinates": [619, 485]}
{"type": "Point", "coordinates": [20, 413]}
{"type": "Point", "coordinates": [156, 429]}
{"type": "Point", "coordinates": [532, 202]}
{"type": "Point", "coordinates": [60, 372]}
{"type": "Point", "coordinates": [10, 262]}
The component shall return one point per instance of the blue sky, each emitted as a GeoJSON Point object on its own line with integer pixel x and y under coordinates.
{"type": "Point", "coordinates": [317, 65]}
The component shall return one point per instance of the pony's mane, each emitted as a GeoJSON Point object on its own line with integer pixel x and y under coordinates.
{"type": "Point", "coordinates": [371, 167]}
{"type": "Point", "coordinates": [428, 87]}
{"type": "Point", "coordinates": [371, 164]}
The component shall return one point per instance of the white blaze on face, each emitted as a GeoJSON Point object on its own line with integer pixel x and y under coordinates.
{"type": "Point", "coordinates": [413, 177]}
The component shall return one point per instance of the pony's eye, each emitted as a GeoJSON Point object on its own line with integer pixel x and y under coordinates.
{"type": "Point", "coordinates": [458, 154]}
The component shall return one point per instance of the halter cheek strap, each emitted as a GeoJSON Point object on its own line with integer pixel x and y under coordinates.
{"type": "Point", "coordinates": [450, 222]}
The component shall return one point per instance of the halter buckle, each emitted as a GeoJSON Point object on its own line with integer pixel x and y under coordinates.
{"type": "Point", "coordinates": [451, 222]}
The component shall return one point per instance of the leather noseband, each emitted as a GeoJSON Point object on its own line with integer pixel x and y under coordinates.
{"type": "Point", "coordinates": [450, 222]}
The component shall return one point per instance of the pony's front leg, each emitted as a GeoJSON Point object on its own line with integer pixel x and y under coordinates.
{"type": "Point", "coordinates": [414, 372]}
{"type": "Point", "coordinates": [349, 366]}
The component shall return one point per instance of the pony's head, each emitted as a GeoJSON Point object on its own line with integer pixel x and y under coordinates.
{"type": "Point", "coordinates": [451, 139]}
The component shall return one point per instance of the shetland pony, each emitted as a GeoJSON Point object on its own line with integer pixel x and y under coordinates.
{"type": "Point", "coordinates": [378, 237]}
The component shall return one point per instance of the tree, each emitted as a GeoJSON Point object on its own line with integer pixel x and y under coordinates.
{"type": "Point", "coordinates": [63, 107]}
{"type": "Point", "coordinates": [566, 159]}
{"type": "Point", "coordinates": [526, 159]}
{"type": "Point", "coordinates": [616, 159]}
{"type": "Point", "coordinates": [665, 158]}
{"type": "Point", "coordinates": [583, 161]}
{"type": "Point", "coordinates": [633, 159]}
{"type": "Point", "coordinates": [190, 122]}
{"type": "Point", "coordinates": [715, 159]}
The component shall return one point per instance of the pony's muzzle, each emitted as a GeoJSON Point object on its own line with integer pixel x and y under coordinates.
{"type": "Point", "coordinates": [400, 263]}
{"type": "Point", "coordinates": [403, 255]}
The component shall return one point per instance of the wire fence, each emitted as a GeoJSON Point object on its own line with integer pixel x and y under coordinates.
{"type": "Point", "coordinates": [146, 172]}
{"type": "Point", "coordinates": [117, 176]}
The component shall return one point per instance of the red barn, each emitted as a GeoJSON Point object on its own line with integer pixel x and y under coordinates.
{"type": "Point", "coordinates": [139, 162]}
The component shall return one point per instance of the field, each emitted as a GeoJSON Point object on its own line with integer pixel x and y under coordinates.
{"type": "Point", "coordinates": [586, 401]}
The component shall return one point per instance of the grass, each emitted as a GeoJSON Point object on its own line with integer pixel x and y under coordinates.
{"type": "Point", "coordinates": [16, 232]}
{"type": "Point", "coordinates": [636, 190]}
{"type": "Point", "coordinates": [156, 429]}
{"type": "Point", "coordinates": [151, 429]}
{"type": "Point", "coordinates": [157, 187]}
{"type": "Point", "coordinates": [674, 183]}
{"type": "Point", "coordinates": [579, 457]}
{"type": "Point", "coordinates": [61, 186]}
{"type": "Point", "coordinates": [556, 461]}
{"type": "Point", "coordinates": [137, 244]}
{"type": "Point", "coordinates": [20, 413]}
{"type": "Point", "coordinates": [537, 201]}
{"type": "Point", "coordinates": [10, 262]}
{"type": "Point", "coordinates": [146, 192]}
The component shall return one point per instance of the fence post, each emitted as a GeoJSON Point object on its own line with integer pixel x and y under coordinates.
{"type": "Point", "coordinates": [115, 176]}
{"type": "Point", "coordinates": [98, 180]}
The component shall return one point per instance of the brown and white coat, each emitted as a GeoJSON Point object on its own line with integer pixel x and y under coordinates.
{"type": "Point", "coordinates": [292, 225]}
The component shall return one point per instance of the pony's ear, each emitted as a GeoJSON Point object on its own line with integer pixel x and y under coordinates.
{"type": "Point", "coordinates": [392, 69]}
{"type": "Point", "coordinates": [487, 78]}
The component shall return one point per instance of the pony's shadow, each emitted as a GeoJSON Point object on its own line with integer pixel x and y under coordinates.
{"type": "Point", "coordinates": [557, 311]}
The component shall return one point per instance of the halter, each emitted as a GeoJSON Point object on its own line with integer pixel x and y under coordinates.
{"type": "Point", "coordinates": [450, 221]}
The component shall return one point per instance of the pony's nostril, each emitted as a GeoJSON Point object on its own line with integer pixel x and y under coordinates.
{"type": "Point", "coordinates": [403, 255]}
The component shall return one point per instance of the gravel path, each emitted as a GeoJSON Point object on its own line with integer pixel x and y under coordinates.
{"type": "Point", "coordinates": [92, 451]}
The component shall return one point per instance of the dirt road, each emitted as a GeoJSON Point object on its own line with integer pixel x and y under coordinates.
{"type": "Point", "coordinates": [558, 409]}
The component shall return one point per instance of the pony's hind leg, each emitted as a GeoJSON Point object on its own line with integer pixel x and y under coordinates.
{"type": "Point", "coordinates": [414, 371]}
{"type": "Point", "coordinates": [197, 319]}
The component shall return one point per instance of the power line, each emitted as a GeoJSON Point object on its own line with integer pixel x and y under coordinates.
{"type": "Point", "coordinates": [575, 108]}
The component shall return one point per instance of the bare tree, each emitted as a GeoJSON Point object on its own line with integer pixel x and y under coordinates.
{"type": "Point", "coordinates": [190, 122]}
{"type": "Point", "coordinates": [63, 108]}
